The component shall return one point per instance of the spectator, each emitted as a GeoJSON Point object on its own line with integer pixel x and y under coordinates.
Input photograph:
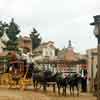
{"type": "Point", "coordinates": [83, 73]}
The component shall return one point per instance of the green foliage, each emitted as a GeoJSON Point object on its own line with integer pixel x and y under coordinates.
{"type": "Point", "coordinates": [11, 45]}
{"type": "Point", "coordinates": [57, 51]}
{"type": "Point", "coordinates": [35, 37]}
{"type": "Point", "coordinates": [13, 30]}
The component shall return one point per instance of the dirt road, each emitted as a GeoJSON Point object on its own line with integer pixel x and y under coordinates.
{"type": "Point", "coordinates": [13, 94]}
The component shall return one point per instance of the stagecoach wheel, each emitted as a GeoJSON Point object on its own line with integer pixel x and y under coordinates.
{"type": "Point", "coordinates": [5, 79]}
{"type": "Point", "coordinates": [10, 81]}
{"type": "Point", "coordinates": [21, 84]}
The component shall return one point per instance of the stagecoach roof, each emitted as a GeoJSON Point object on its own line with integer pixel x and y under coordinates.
{"type": "Point", "coordinates": [16, 61]}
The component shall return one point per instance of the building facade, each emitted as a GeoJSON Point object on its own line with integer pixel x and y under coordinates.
{"type": "Point", "coordinates": [46, 51]}
{"type": "Point", "coordinates": [25, 43]}
{"type": "Point", "coordinates": [92, 66]}
{"type": "Point", "coordinates": [92, 62]}
{"type": "Point", "coordinates": [68, 54]}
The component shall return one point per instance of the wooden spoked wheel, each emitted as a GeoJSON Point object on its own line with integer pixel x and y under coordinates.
{"type": "Point", "coordinates": [5, 79]}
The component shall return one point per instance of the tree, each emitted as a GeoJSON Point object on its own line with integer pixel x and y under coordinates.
{"type": "Point", "coordinates": [35, 37]}
{"type": "Point", "coordinates": [56, 51]}
{"type": "Point", "coordinates": [11, 45]}
{"type": "Point", "coordinates": [12, 32]}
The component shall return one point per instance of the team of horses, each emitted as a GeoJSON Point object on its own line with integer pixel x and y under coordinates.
{"type": "Point", "coordinates": [41, 78]}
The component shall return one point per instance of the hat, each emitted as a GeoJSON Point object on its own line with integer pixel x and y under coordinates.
{"type": "Point", "coordinates": [96, 20]}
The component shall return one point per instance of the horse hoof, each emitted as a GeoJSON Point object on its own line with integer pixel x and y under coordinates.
{"type": "Point", "coordinates": [78, 95]}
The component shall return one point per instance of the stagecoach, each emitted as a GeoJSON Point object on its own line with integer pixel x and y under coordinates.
{"type": "Point", "coordinates": [13, 73]}
{"type": "Point", "coordinates": [16, 76]}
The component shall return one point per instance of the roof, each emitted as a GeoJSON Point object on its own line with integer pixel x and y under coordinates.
{"type": "Point", "coordinates": [92, 50]}
{"type": "Point", "coordinates": [4, 37]}
{"type": "Point", "coordinates": [17, 61]}
{"type": "Point", "coordinates": [26, 38]}
{"type": "Point", "coordinates": [2, 45]}
{"type": "Point", "coordinates": [2, 54]}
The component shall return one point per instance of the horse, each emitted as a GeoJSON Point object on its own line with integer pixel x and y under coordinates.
{"type": "Point", "coordinates": [70, 80]}
{"type": "Point", "coordinates": [37, 77]}
{"type": "Point", "coordinates": [73, 81]}
{"type": "Point", "coordinates": [61, 83]}
{"type": "Point", "coordinates": [42, 78]}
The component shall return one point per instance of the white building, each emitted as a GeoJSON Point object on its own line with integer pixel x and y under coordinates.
{"type": "Point", "coordinates": [46, 51]}
{"type": "Point", "coordinates": [3, 39]}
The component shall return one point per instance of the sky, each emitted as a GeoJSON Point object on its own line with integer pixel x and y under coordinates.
{"type": "Point", "coordinates": [55, 20]}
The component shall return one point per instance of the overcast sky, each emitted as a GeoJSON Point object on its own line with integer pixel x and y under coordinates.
{"type": "Point", "coordinates": [56, 20]}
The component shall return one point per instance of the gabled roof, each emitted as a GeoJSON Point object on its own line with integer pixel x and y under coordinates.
{"type": "Point", "coordinates": [2, 45]}
{"type": "Point", "coordinates": [4, 37]}
{"type": "Point", "coordinates": [25, 38]}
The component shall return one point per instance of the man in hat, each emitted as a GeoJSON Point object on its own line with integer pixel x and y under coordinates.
{"type": "Point", "coordinates": [83, 73]}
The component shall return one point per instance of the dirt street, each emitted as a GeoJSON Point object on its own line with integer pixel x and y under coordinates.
{"type": "Point", "coordinates": [14, 94]}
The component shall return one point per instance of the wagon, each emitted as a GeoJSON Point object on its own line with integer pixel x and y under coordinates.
{"type": "Point", "coordinates": [24, 81]}
{"type": "Point", "coordinates": [15, 71]}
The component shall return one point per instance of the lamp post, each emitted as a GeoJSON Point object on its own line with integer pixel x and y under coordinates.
{"type": "Point", "coordinates": [92, 80]}
{"type": "Point", "coordinates": [96, 23]}
{"type": "Point", "coordinates": [93, 54]}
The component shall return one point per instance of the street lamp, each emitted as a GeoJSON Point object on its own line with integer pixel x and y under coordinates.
{"type": "Point", "coordinates": [93, 54]}
{"type": "Point", "coordinates": [96, 23]}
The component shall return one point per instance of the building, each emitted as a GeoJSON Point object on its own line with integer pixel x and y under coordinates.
{"type": "Point", "coordinates": [25, 43]}
{"type": "Point", "coordinates": [45, 55]}
{"type": "Point", "coordinates": [3, 54]}
{"type": "Point", "coordinates": [92, 66]}
{"type": "Point", "coordinates": [68, 54]}
{"type": "Point", "coordinates": [44, 52]}
{"type": "Point", "coordinates": [92, 61]}
{"type": "Point", "coordinates": [3, 39]}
